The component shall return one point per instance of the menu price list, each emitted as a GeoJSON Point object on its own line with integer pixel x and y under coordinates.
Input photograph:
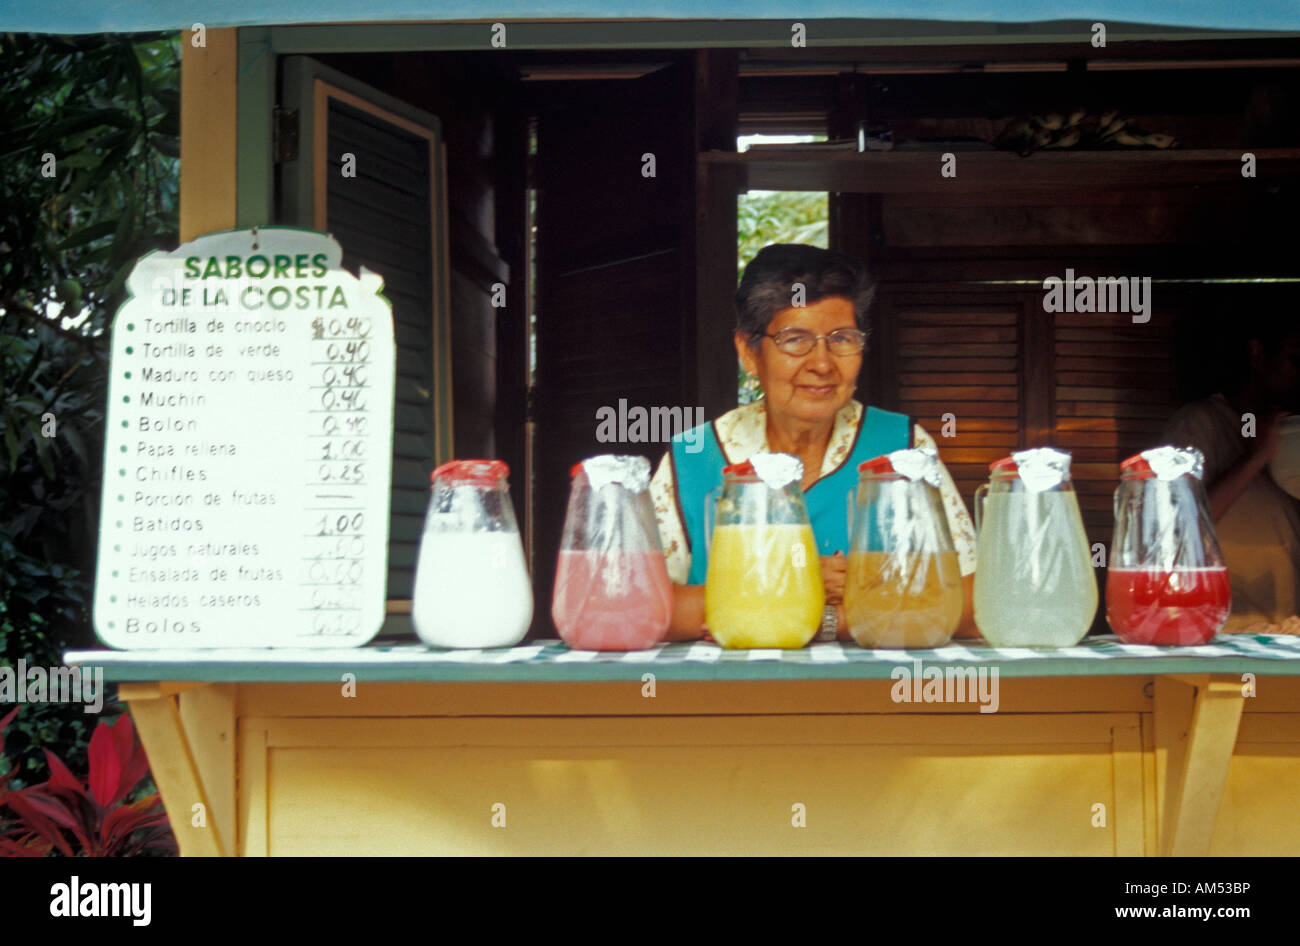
{"type": "Point", "coordinates": [248, 454]}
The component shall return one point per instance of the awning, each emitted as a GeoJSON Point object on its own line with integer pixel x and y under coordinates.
{"type": "Point", "coordinates": [102, 16]}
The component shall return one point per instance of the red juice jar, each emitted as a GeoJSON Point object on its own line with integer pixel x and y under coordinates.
{"type": "Point", "coordinates": [1167, 583]}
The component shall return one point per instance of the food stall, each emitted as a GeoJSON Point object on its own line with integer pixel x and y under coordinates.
{"type": "Point", "coordinates": [1104, 748]}
{"type": "Point", "coordinates": [1101, 750]}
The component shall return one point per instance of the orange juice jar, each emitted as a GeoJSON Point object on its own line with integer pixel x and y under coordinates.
{"type": "Point", "coordinates": [903, 584]}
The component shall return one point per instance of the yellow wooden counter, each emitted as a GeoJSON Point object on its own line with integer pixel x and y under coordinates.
{"type": "Point", "coordinates": [1101, 749]}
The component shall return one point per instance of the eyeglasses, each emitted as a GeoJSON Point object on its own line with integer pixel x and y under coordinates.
{"type": "Point", "coordinates": [799, 342]}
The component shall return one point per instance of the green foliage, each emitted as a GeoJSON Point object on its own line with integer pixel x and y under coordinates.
{"type": "Point", "coordinates": [88, 182]}
{"type": "Point", "coordinates": [91, 817]}
{"type": "Point", "coordinates": [765, 217]}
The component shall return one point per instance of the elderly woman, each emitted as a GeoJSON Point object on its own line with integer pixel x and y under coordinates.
{"type": "Point", "coordinates": [802, 328]}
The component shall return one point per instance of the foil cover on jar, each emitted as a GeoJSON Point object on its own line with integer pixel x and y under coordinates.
{"type": "Point", "coordinates": [1169, 463]}
{"type": "Point", "coordinates": [777, 470]}
{"type": "Point", "coordinates": [1042, 468]}
{"type": "Point", "coordinates": [630, 472]}
{"type": "Point", "coordinates": [917, 463]}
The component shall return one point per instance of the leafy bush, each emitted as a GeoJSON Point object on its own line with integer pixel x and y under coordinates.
{"type": "Point", "coordinates": [88, 183]}
{"type": "Point", "coordinates": [67, 816]}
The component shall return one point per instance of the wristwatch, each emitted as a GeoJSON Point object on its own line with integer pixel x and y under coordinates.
{"type": "Point", "coordinates": [830, 628]}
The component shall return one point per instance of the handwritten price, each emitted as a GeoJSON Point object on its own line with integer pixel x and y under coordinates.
{"type": "Point", "coordinates": [333, 426]}
{"type": "Point", "coordinates": [355, 326]}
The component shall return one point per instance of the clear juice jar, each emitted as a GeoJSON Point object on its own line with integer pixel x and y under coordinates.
{"type": "Point", "coordinates": [1034, 583]}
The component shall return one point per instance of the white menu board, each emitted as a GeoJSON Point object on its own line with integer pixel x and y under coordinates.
{"type": "Point", "coordinates": [249, 448]}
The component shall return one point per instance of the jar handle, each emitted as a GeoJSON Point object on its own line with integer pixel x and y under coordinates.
{"type": "Point", "coordinates": [851, 500]}
{"type": "Point", "coordinates": [710, 512]}
{"type": "Point", "coordinates": [981, 494]}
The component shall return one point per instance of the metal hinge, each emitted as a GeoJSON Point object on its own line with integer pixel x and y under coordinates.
{"type": "Point", "coordinates": [284, 134]}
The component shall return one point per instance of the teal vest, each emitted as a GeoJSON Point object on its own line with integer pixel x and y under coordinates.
{"type": "Point", "coordinates": [879, 432]}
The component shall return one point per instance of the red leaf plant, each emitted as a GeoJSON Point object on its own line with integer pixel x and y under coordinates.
{"type": "Point", "coordinates": [65, 816]}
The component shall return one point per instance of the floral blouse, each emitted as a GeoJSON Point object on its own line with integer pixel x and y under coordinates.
{"type": "Point", "coordinates": [743, 432]}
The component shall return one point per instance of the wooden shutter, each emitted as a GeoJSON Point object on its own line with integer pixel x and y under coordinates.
{"type": "Point", "coordinates": [389, 217]}
{"type": "Point", "coordinates": [963, 360]}
{"type": "Point", "coordinates": [1114, 392]}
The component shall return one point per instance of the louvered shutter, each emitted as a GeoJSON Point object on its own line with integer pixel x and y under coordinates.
{"type": "Point", "coordinates": [1114, 392]}
{"type": "Point", "coordinates": [387, 214]}
{"type": "Point", "coordinates": [962, 360]}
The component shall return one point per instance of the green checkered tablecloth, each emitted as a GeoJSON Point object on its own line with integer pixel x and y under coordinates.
{"type": "Point", "coordinates": [552, 661]}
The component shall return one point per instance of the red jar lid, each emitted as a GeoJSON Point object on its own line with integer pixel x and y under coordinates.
{"type": "Point", "coordinates": [1136, 465]}
{"type": "Point", "coordinates": [1005, 465]}
{"type": "Point", "coordinates": [575, 469]}
{"type": "Point", "coordinates": [739, 469]}
{"type": "Point", "coordinates": [472, 472]}
{"type": "Point", "coordinates": [880, 464]}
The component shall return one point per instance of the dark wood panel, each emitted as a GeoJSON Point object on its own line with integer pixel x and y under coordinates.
{"type": "Point", "coordinates": [615, 270]}
{"type": "Point", "coordinates": [990, 171]}
{"type": "Point", "coordinates": [950, 378]}
{"type": "Point", "coordinates": [1111, 408]}
{"type": "Point", "coordinates": [1157, 363]}
{"type": "Point", "coordinates": [958, 349]}
{"type": "Point", "coordinates": [961, 393]}
{"type": "Point", "coordinates": [1128, 381]}
{"type": "Point", "coordinates": [377, 245]}
{"type": "Point", "coordinates": [1132, 337]}
{"type": "Point", "coordinates": [939, 364]}
{"type": "Point", "coordinates": [958, 318]}
{"type": "Point", "coordinates": [968, 423]}
{"type": "Point", "coordinates": [1095, 394]}
{"type": "Point", "coordinates": [1106, 350]}
{"type": "Point", "coordinates": [410, 501]}
{"type": "Point", "coordinates": [967, 436]}
{"type": "Point", "coordinates": [1118, 440]}
{"type": "Point", "coordinates": [920, 335]}
{"type": "Point", "coordinates": [377, 192]}
{"type": "Point", "coordinates": [922, 408]}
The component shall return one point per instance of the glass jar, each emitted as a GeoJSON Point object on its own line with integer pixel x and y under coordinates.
{"type": "Point", "coordinates": [471, 581]}
{"type": "Point", "coordinates": [764, 584]}
{"type": "Point", "coordinates": [903, 586]}
{"type": "Point", "coordinates": [1034, 583]}
{"type": "Point", "coordinates": [1167, 583]}
{"type": "Point", "coordinates": [612, 590]}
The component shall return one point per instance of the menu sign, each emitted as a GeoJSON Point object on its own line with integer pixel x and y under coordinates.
{"type": "Point", "coordinates": [249, 448]}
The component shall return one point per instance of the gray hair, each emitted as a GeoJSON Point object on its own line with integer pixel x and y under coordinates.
{"type": "Point", "coordinates": [767, 285]}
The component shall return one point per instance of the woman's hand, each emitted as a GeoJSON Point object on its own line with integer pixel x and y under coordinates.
{"type": "Point", "coordinates": [834, 569]}
{"type": "Point", "coordinates": [687, 623]}
{"type": "Point", "coordinates": [967, 629]}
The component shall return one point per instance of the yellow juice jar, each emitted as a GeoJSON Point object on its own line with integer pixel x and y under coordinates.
{"type": "Point", "coordinates": [764, 585]}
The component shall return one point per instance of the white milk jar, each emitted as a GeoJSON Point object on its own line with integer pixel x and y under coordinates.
{"type": "Point", "coordinates": [471, 583]}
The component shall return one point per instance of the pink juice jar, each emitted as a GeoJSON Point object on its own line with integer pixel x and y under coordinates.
{"type": "Point", "coordinates": [612, 590]}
